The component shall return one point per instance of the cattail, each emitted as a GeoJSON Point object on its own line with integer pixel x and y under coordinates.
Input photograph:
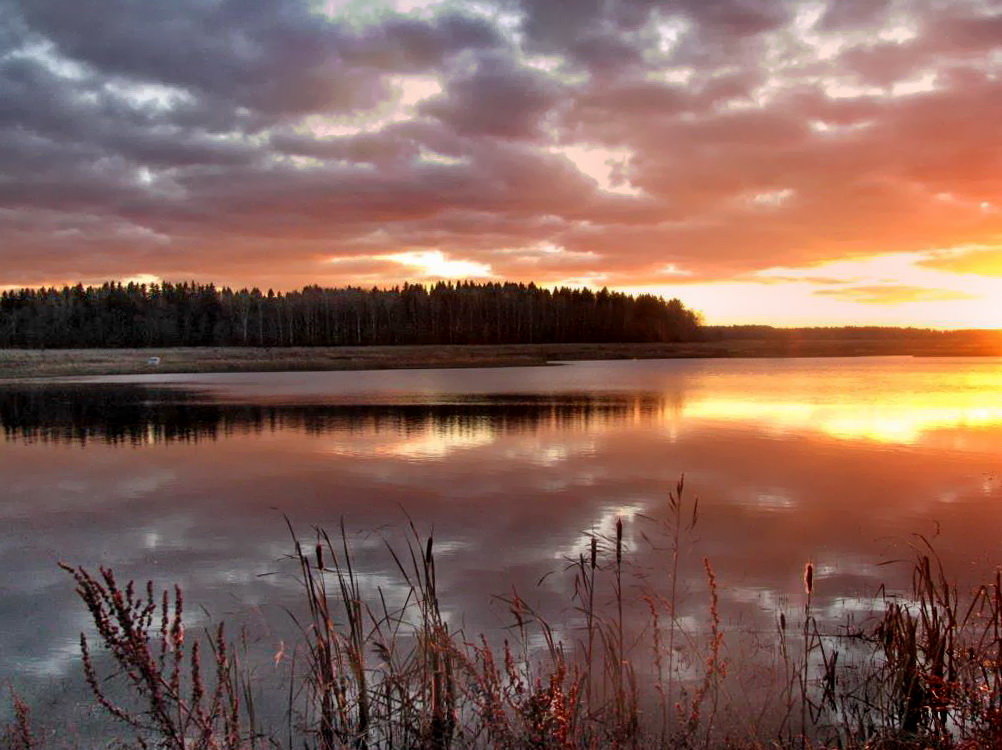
{"type": "Point", "coordinates": [809, 588]}
{"type": "Point", "coordinates": [320, 557]}
{"type": "Point", "coordinates": [197, 687]}
{"type": "Point", "coordinates": [594, 552]}
{"type": "Point", "coordinates": [619, 541]}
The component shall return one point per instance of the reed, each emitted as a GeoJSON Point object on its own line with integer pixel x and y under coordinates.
{"type": "Point", "coordinates": [368, 673]}
{"type": "Point", "coordinates": [931, 674]}
{"type": "Point", "coordinates": [408, 696]}
{"type": "Point", "coordinates": [805, 665]}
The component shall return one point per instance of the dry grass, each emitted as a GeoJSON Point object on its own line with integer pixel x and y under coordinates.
{"type": "Point", "coordinates": [33, 363]}
{"type": "Point", "coordinates": [27, 363]}
{"type": "Point", "coordinates": [929, 674]}
{"type": "Point", "coordinates": [371, 674]}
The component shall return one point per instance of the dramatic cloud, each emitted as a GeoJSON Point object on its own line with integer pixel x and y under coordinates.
{"type": "Point", "coordinates": [636, 144]}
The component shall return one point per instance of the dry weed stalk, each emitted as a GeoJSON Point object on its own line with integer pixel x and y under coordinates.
{"type": "Point", "coordinates": [146, 638]}
{"type": "Point", "coordinates": [18, 735]}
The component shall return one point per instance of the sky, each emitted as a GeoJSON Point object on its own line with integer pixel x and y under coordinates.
{"type": "Point", "coordinates": [765, 161]}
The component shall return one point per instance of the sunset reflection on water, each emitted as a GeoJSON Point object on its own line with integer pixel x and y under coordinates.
{"type": "Point", "coordinates": [838, 461]}
{"type": "Point", "coordinates": [904, 419]}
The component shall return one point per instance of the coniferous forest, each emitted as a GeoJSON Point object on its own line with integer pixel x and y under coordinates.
{"type": "Point", "coordinates": [190, 314]}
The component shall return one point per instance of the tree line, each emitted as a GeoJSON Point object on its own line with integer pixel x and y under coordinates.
{"type": "Point", "coordinates": [192, 314]}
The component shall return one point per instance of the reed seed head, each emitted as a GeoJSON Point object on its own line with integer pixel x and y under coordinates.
{"type": "Point", "coordinates": [809, 578]}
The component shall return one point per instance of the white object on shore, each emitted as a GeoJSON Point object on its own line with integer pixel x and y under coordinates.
{"type": "Point", "coordinates": [153, 361]}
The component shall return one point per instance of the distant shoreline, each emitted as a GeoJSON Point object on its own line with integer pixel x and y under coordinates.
{"type": "Point", "coordinates": [19, 364]}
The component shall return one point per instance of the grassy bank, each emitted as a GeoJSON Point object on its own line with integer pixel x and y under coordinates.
{"type": "Point", "coordinates": [33, 363]}
{"type": "Point", "coordinates": [628, 670]}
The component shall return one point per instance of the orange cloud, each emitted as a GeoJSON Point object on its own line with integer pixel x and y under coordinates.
{"type": "Point", "coordinates": [891, 294]}
{"type": "Point", "coordinates": [981, 261]}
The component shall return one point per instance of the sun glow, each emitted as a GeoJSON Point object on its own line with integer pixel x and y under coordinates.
{"type": "Point", "coordinates": [430, 444]}
{"type": "Point", "coordinates": [943, 288]}
{"type": "Point", "coordinates": [434, 264]}
{"type": "Point", "coordinates": [896, 419]}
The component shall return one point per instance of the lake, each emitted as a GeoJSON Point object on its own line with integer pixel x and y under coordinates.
{"type": "Point", "coordinates": [189, 479]}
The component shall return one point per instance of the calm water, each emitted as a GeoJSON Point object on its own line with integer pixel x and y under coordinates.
{"type": "Point", "coordinates": [186, 479]}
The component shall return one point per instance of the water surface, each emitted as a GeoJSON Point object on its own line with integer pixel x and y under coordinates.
{"type": "Point", "coordinates": [187, 478]}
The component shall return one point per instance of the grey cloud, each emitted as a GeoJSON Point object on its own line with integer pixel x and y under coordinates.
{"type": "Point", "coordinates": [188, 44]}
{"type": "Point", "coordinates": [499, 98]}
{"type": "Point", "coordinates": [413, 45]}
{"type": "Point", "coordinates": [590, 31]}
{"type": "Point", "coordinates": [508, 179]}
{"type": "Point", "coordinates": [81, 114]}
{"type": "Point", "coordinates": [275, 57]}
{"type": "Point", "coordinates": [553, 25]}
{"type": "Point", "coordinates": [396, 147]}
{"type": "Point", "coordinates": [383, 149]}
{"type": "Point", "coordinates": [736, 18]}
{"type": "Point", "coordinates": [29, 95]}
{"type": "Point", "coordinates": [853, 14]}
{"type": "Point", "coordinates": [606, 54]}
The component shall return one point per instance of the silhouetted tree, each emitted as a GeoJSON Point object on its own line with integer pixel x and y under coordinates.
{"type": "Point", "coordinates": [189, 314]}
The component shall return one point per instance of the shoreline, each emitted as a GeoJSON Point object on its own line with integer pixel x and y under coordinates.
{"type": "Point", "coordinates": [36, 364]}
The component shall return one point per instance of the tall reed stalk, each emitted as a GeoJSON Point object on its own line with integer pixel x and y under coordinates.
{"type": "Point", "coordinates": [381, 675]}
{"type": "Point", "coordinates": [805, 666]}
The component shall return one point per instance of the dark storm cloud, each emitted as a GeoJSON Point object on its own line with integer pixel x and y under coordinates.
{"type": "Point", "coordinates": [217, 138]}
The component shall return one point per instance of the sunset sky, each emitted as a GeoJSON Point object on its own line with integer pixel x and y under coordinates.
{"type": "Point", "coordinates": [791, 163]}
